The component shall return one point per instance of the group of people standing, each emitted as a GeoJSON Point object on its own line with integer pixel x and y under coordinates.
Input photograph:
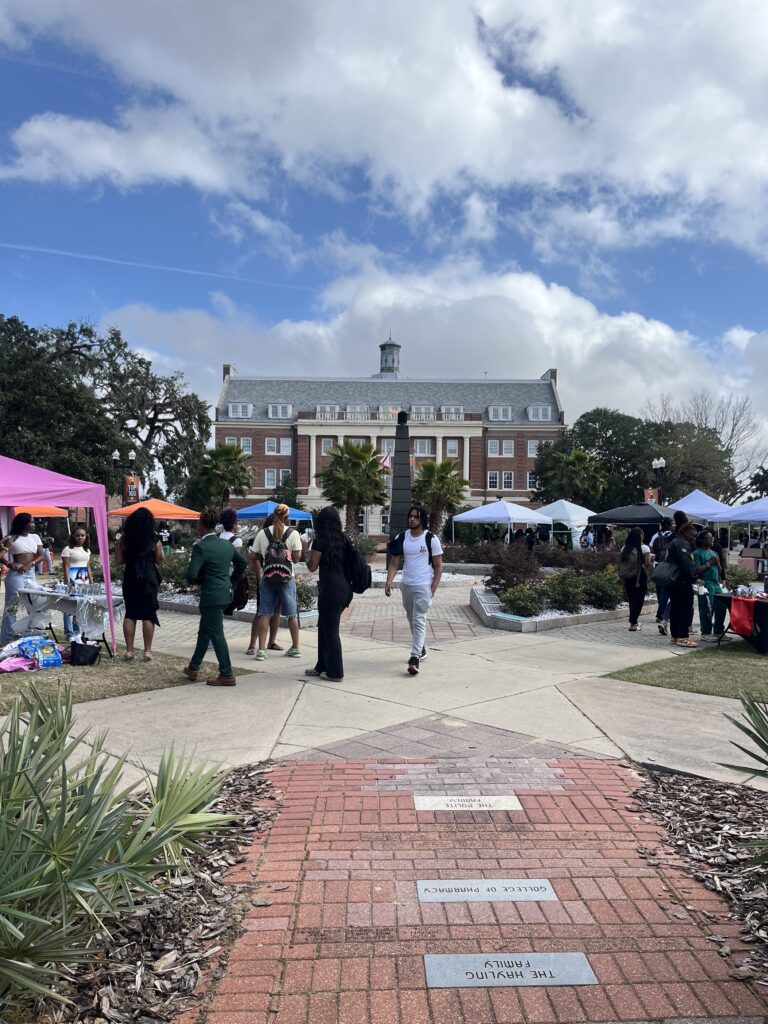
{"type": "Point", "coordinates": [694, 558]}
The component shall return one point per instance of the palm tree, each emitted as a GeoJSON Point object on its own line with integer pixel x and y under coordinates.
{"type": "Point", "coordinates": [222, 472]}
{"type": "Point", "coordinates": [438, 486]}
{"type": "Point", "coordinates": [576, 476]}
{"type": "Point", "coordinates": [353, 479]}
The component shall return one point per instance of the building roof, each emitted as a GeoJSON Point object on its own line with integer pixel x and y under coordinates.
{"type": "Point", "coordinates": [305, 394]}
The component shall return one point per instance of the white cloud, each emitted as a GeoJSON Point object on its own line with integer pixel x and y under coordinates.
{"type": "Point", "coordinates": [241, 223]}
{"type": "Point", "coordinates": [480, 219]}
{"type": "Point", "coordinates": [649, 102]}
{"type": "Point", "coordinates": [455, 321]}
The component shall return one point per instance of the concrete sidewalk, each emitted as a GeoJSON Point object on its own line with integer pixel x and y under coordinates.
{"type": "Point", "coordinates": [480, 692]}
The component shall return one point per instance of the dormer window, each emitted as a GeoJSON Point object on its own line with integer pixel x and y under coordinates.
{"type": "Point", "coordinates": [422, 410]}
{"type": "Point", "coordinates": [499, 412]}
{"type": "Point", "coordinates": [280, 412]}
{"type": "Point", "coordinates": [240, 410]}
{"type": "Point", "coordinates": [540, 413]}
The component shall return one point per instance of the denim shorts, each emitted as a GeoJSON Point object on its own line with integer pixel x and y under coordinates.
{"type": "Point", "coordinates": [279, 595]}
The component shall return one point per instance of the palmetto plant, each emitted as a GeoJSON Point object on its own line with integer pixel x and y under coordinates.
{"type": "Point", "coordinates": [353, 479]}
{"type": "Point", "coordinates": [754, 724]}
{"type": "Point", "coordinates": [76, 845]}
{"type": "Point", "coordinates": [439, 488]}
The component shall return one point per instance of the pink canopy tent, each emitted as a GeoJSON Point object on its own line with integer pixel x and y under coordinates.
{"type": "Point", "coordinates": [22, 484]}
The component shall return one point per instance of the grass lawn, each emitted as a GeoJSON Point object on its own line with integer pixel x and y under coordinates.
{"type": "Point", "coordinates": [734, 669]}
{"type": "Point", "coordinates": [107, 679]}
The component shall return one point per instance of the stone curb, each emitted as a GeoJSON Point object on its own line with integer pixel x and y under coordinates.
{"type": "Point", "coordinates": [487, 607]}
{"type": "Point", "coordinates": [307, 619]}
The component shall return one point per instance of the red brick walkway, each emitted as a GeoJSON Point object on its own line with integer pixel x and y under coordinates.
{"type": "Point", "coordinates": [344, 937]}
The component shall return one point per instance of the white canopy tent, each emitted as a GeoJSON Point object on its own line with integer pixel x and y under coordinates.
{"type": "Point", "coordinates": [698, 505]}
{"type": "Point", "coordinates": [501, 512]}
{"type": "Point", "coordinates": [573, 516]}
{"type": "Point", "coordinates": [751, 512]}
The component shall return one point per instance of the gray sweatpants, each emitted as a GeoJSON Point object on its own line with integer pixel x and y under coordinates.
{"type": "Point", "coordinates": [417, 602]}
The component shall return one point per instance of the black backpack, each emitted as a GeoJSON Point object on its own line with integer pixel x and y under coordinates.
{"type": "Point", "coordinates": [358, 570]}
{"type": "Point", "coordinates": [278, 567]}
{"type": "Point", "coordinates": [629, 565]}
{"type": "Point", "coordinates": [241, 593]}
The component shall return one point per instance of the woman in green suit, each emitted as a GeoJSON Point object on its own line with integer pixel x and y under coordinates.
{"type": "Point", "coordinates": [209, 565]}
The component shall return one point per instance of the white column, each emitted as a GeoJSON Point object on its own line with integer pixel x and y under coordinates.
{"type": "Point", "coordinates": [439, 448]}
{"type": "Point", "coordinates": [312, 460]}
{"type": "Point", "coordinates": [465, 469]}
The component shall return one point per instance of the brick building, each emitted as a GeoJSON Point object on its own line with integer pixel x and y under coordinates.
{"type": "Point", "coordinates": [491, 428]}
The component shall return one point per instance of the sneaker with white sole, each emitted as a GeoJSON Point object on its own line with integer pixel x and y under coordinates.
{"type": "Point", "coordinates": [413, 665]}
{"type": "Point", "coordinates": [261, 655]}
{"type": "Point", "coordinates": [423, 653]}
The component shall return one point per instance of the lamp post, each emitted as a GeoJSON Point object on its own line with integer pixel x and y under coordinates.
{"type": "Point", "coordinates": [124, 473]}
{"type": "Point", "coordinates": [658, 466]}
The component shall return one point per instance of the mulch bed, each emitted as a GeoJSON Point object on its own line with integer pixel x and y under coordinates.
{"type": "Point", "coordinates": [160, 952]}
{"type": "Point", "coordinates": [708, 824]}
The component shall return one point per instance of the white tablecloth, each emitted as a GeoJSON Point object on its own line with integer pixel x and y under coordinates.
{"type": "Point", "coordinates": [35, 608]}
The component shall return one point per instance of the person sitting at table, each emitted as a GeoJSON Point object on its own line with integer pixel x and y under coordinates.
{"type": "Point", "coordinates": [25, 551]}
{"type": "Point", "coordinates": [140, 551]}
{"type": "Point", "coordinates": [74, 559]}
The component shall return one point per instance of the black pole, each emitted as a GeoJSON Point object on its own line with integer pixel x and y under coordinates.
{"type": "Point", "coordinates": [401, 478]}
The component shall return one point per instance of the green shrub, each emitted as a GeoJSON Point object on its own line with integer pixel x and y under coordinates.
{"type": "Point", "coordinates": [526, 599]}
{"type": "Point", "coordinates": [564, 591]}
{"type": "Point", "coordinates": [479, 554]}
{"type": "Point", "coordinates": [602, 590]}
{"type": "Point", "coordinates": [367, 547]}
{"type": "Point", "coordinates": [306, 593]}
{"type": "Point", "coordinates": [174, 573]}
{"type": "Point", "coordinates": [77, 845]}
{"type": "Point", "coordinates": [516, 565]}
{"type": "Point", "coordinates": [584, 561]}
{"type": "Point", "coordinates": [738, 577]}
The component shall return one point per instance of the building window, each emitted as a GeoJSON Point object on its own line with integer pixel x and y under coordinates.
{"type": "Point", "coordinates": [270, 446]}
{"type": "Point", "coordinates": [507, 480]}
{"type": "Point", "coordinates": [452, 412]}
{"type": "Point", "coordinates": [452, 448]}
{"type": "Point", "coordinates": [541, 413]}
{"type": "Point", "coordinates": [240, 410]}
{"type": "Point", "coordinates": [327, 412]}
{"type": "Point", "coordinates": [422, 446]}
{"type": "Point", "coordinates": [508, 448]}
{"type": "Point", "coordinates": [286, 445]}
{"type": "Point", "coordinates": [388, 412]}
{"type": "Point", "coordinates": [231, 441]}
{"type": "Point", "coordinates": [533, 449]}
{"type": "Point", "coordinates": [246, 445]}
{"type": "Point", "coordinates": [361, 518]}
{"type": "Point", "coordinates": [359, 441]}
{"type": "Point", "coordinates": [385, 519]}
{"type": "Point", "coordinates": [270, 479]}
{"type": "Point", "coordinates": [326, 443]}
{"type": "Point", "coordinates": [493, 447]}
{"type": "Point", "coordinates": [421, 409]}
{"type": "Point", "coordinates": [500, 412]}
{"type": "Point", "coordinates": [532, 484]}
{"type": "Point", "coordinates": [284, 474]}
{"type": "Point", "coordinates": [357, 412]}
{"type": "Point", "coordinates": [493, 480]}
{"type": "Point", "coordinates": [280, 412]}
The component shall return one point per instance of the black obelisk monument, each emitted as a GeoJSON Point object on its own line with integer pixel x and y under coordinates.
{"type": "Point", "coordinates": [401, 478]}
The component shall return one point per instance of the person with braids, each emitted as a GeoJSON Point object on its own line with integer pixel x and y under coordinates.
{"type": "Point", "coordinates": [329, 554]}
{"type": "Point", "coordinates": [140, 551]}
{"type": "Point", "coordinates": [24, 550]}
{"type": "Point", "coordinates": [217, 566]}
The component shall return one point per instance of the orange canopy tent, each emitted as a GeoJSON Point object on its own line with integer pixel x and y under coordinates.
{"type": "Point", "coordinates": [159, 509]}
{"type": "Point", "coordinates": [42, 511]}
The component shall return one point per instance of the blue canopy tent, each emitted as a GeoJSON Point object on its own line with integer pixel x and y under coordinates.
{"type": "Point", "coordinates": [266, 508]}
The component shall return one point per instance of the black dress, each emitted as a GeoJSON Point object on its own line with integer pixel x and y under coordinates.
{"type": "Point", "coordinates": [141, 582]}
{"type": "Point", "coordinates": [334, 594]}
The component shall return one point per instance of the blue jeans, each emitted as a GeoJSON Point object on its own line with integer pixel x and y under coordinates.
{"type": "Point", "coordinates": [71, 628]}
{"type": "Point", "coordinates": [663, 609]}
{"type": "Point", "coordinates": [281, 595]}
{"type": "Point", "coordinates": [13, 582]}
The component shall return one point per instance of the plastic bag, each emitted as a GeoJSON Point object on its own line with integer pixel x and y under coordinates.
{"type": "Point", "coordinates": [44, 652]}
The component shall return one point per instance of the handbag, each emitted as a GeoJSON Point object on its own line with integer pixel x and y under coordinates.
{"type": "Point", "coordinates": [666, 574]}
{"type": "Point", "coordinates": [84, 654]}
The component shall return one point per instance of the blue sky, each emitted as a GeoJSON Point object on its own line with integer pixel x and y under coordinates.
{"type": "Point", "coordinates": [499, 187]}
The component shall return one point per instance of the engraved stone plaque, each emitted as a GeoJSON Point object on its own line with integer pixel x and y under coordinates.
{"type": "Point", "coordinates": [443, 802]}
{"type": "Point", "coordinates": [492, 970]}
{"type": "Point", "coordinates": [486, 890]}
